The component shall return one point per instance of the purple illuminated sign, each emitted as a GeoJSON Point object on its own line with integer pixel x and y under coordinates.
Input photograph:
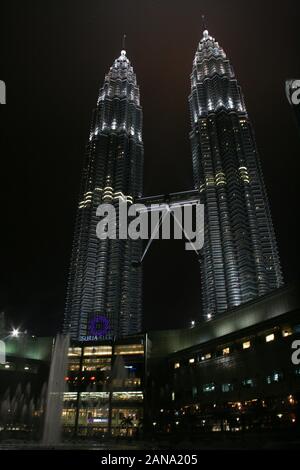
{"type": "Point", "coordinates": [98, 326]}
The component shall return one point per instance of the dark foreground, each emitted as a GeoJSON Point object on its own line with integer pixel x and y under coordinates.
{"type": "Point", "coordinates": [213, 441]}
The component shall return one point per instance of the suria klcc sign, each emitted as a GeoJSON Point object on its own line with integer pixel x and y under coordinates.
{"type": "Point", "coordinates": [292, 91]}
{"type": "Point", "coordinates": [98, 328]}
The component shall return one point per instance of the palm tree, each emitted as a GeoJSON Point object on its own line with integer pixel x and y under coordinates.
{"type": "Point", "coordinates": [127, 423]}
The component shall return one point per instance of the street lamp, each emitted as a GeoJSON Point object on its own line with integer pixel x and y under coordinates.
{"type": "Point", "coordinates": [15, 332]}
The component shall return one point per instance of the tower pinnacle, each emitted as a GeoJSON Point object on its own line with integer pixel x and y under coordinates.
{"type": "Point", "coordinates": [205, 30]}
{"type": "Point", "coordinates": [124, 45]}
{"type": "Point", "coordinates": [203, 23]}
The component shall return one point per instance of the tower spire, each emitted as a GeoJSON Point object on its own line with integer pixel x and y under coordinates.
{"type": "Point", "coordinates": [203, 22]}
{"type": "Point", "coordinates": [124, 42]}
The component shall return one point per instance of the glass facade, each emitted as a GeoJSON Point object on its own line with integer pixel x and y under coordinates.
{"type": "Point", "coordinates": [239, 260]}
{"type": "Point", "coordinates": [104, 289]}
{"type": "Point", "coordinates": [105, 389]}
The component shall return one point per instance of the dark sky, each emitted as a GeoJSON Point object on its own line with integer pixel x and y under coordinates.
{"type": "Point", "coordinates": [53, 57]}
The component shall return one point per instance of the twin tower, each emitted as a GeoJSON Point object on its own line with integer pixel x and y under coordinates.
{"type": "Point", "coordinates": [239, 260]}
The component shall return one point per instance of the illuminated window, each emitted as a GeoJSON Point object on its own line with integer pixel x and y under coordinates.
{"type": "Point", "coordinates": [97, 351]}
{"type": "Point", "coordinates": [227, 388]}
{"type": "Point", "coordinates": [226, 351]}
{"type": "Point", "coordinates": [173, 396]}
{"type": "Point", "coordinates": [9, 366]}
{"type": "Point", "coordinates": [93, 399]}
{"type": "Point", "coordinates": [176, 365]}
{"type": "Point", "coordinates": [134, 382]}
{"type": "Point", "coordinates": [74, 362]}
{"type": "Point", "coordinates": [74, 352]}
{"type": "Point", "coordinates": [191, 360]}
{"type": "Point", "coordinates": [96, 363]}
{"type": "Point", "coordinates": [270, 338]}
{"type": "Point", "coordinates": [129, 349]}
{"type": "Point", "coordinates": [246, 345]}
{"type": "Point", "coordinates": [69, 397]}
{"type": "Point", "coordinates": [127, 396]}
{"type": "Point", "coordinates": [286, 332]}
{"type": "Point", "coordinates": [209, 387]}
{"type": "Point", "coordinates": [291, 400]}
{"type": "Point", "coordinates": [248, 383]}
{"type": "Point", "coordinates": [275, 377]}
{"type": "Point", "coordinates": [206, 356]}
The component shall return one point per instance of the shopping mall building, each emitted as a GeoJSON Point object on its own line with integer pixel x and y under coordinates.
{"type": "Point", "coordinates": [229, 374]}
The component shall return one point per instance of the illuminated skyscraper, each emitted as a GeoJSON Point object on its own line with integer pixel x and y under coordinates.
{"type": "Point", "coordinates": [239, 260]}
{"type": "Point", "coordinates": [104, 290]}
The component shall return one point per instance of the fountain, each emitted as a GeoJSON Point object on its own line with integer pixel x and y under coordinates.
{"type": "Point", "coordinates": [4, 409]}
{"type": "Point", "coordinates": [55, 391]}
{"type": "Point", "coordinates": [118, 374]}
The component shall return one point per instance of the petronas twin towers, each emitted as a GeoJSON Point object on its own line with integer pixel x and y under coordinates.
{"type": "Point", "coordinates": [239, 260]}
{"type": "Point", "coordinates": [104, 291]}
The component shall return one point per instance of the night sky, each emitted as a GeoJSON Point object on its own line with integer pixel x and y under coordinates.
{"type": "Point", "coordinates": [53, 57]}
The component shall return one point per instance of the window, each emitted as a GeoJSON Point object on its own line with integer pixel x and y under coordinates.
{"type": "Point", "coordinates": [227, 388]}
{"type": "Point", "coordinates": [270, 338]}
{"type": "Point", "coordinates": [74, 352]}
{"type": "Point", "coordinates": [129, 349]}
{"type": "Point", "coordinates": [176, 365]}
{"type": "Point", "coordinates": [74, 363]}
{"type": "Point", "coordinates": [275, 377]}
{"type": "Point", "coordinates": [70, 396]}
{"type": "Point", "coordinates": [97, 351]}
{"type": "Point", "coordinates": [209, 387]}
{"type": "Point", "coordinates": [91, 398]}
{"type": "Point", "coordinates": [8, 366]}
{"type": "Point", "coordinates": [226, 351]}
{"type": "Point", "coordinates": [286, 332]}
{"type": "Point", "coordinates": [96, 363]}
{"type": "Point", "coordinates": [127, 396]}
{"type": "Point", "coordinates": [246, 344]}
{"type": "Point", "coordinates": [206, 356]}
{"type": "Point", "coordinates": [133, 382]}
{"type": "Point", "coordinates": [248, 383]}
